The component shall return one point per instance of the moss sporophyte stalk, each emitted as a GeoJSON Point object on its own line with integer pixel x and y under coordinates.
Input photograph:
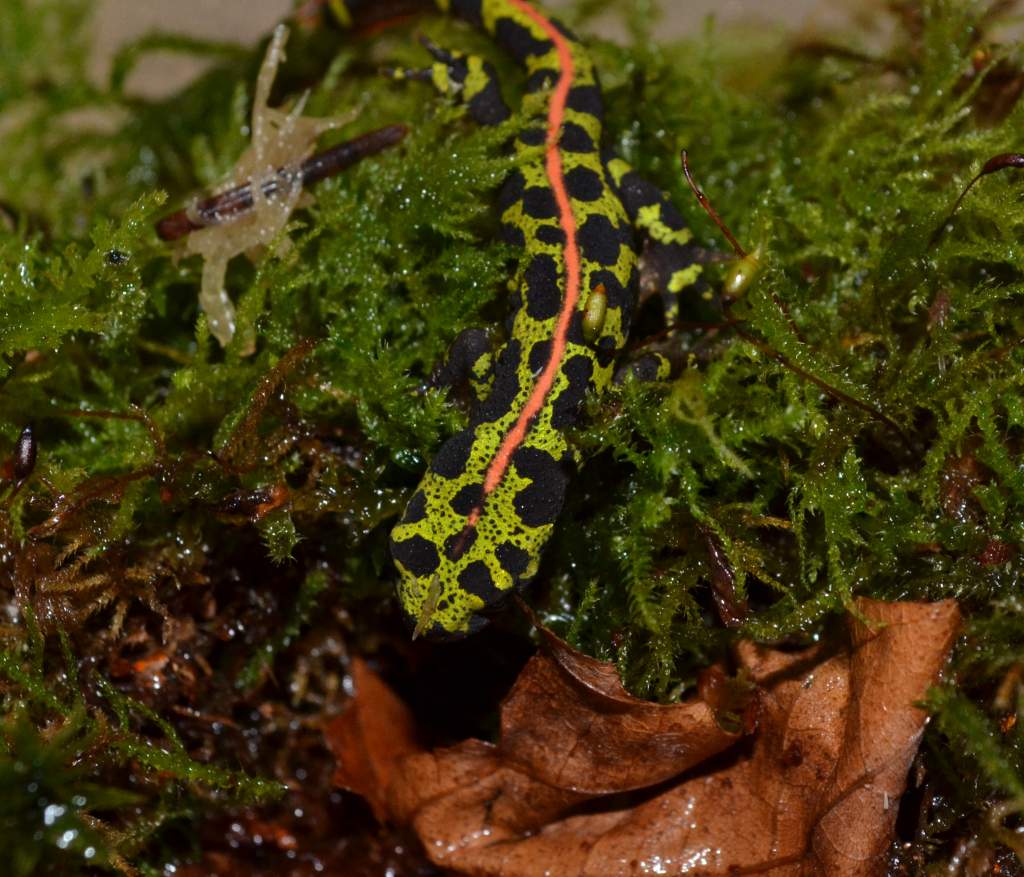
{"type": "Point", "coordinates": [195, 522]}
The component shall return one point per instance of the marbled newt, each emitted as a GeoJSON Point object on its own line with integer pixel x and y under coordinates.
{"type": "Point", "coordinates": [475, 528]}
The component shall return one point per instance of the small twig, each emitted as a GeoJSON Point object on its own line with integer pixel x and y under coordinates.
{"type": "Point", "coordinates": [239, 200]}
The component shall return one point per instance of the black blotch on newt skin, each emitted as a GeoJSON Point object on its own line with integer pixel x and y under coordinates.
{"type": "Point", "coordinates": [540, 502]}
{"type": "Point", "coordinates": [450, 461]}
{"type": "Point", "coordinates": [416, 510]}
{"type": "Point", "coordinates": [456, 545]}
{"type": "Point", "coordinates": [513, 559]}
{"type": "Point", "coordinates": [629, 298]}
{"type": "Point", "coordinates": [551, 234]}
{"type": "Point", "coordinates": [646, 368]}
{"type": "Point", "coordinates": [579, 371]}
{"type": "Point", "coordinates": [458, 70]}
{"type": "Point", "coordinates": [506, 385]}
{"type": "Point", "coordinates": [487, 106]}
{"type": "Point", "coordinates": [540, 281]}
{"type": "Point", "coordinates": [518, 41]}
{"type": "Point", "coordinates": [540, 353]}
{"type": "Point", "coordinates": [600, 240]}
{"type": "Point", "coordinates": [467, 499]}
{"type": "Point", "coordinates": [541, 80]}
{"type": "Point", "coordinates": [468, 348]}
{"type": "Point", "coordinates": [618, 296]}
{"type": "Point", "coordinates": [574, 335]}
{"type": "Point", "coordinates": [416, 554]}
{"type": "Point", "coordinates": [513, 235]}
{"type": "Point", "coordinates": [584, 184]}
{"type": "Point", "coordinates": [636, 192]}
{"type": "Point", "coordinates": [575, 139]}
{"type": "Point", "coordinates": [586, 99]}
{"type": "Point", "coordinates": [511, 191]}
{"type": "Point", "coordinates": [533, 136]}
{"type": "Point", "coordinates": [606, 349]}
{"type": "Point", "coordinates": [660, 261]}
{"type": "Point", "coordinates": [476, 579]}
{"type": "Point", "coordinates": [539, 203]}
{"type": "Point", "coordinates": [469, 10]}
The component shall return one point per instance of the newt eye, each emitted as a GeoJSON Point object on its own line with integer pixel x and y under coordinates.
{"type": "Point", "coordinates": [594, 313]}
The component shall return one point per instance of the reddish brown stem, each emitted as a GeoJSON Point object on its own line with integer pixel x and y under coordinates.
{"type": "Point", "coordinates": [239, 200]}
{"type": "Point", "coordinates": [834, 392]}
{"type": "Point", "coordinates": [997, 163]}
{"type": "Point", "coordinates": [706, 204]}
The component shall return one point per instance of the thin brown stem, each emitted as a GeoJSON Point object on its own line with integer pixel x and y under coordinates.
{"type": "Point", "coordinates": [708, 208]}
{"type": "Point", "coordinates": [997, 163]}
{"type": "Point", "coordinates": [238, 200]}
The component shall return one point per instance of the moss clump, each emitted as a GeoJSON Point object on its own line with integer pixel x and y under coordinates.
{"type": "Point", "coordinates": [204, 534]}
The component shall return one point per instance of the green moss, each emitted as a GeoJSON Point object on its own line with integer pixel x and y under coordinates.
{"type": "Point", "coordinates": [47, 816]}
{"type": "Point", "coordinates": [853, 425]}
{"type": "Point", "coordinates": [61, 809]}
{"type": "Point", "coordinates": [305, 603]}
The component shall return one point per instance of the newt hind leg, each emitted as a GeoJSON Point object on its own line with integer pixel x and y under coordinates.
{"type": "Point", "coordinates": [670, 261]}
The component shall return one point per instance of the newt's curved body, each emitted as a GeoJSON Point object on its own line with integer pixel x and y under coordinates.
{"type": "Point", "coordinates": [476, 526]}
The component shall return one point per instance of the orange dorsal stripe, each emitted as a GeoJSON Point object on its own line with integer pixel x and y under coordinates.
{"type": "Point", "coordinates": [570, 256]}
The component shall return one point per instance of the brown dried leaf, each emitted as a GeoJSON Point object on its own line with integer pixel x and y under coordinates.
{"type": "Point", "coordinates": [371, 738]}
{"type": "Point", "coordinates": [568, 721]}
{"type": "Point", "coordinates": [816, 793]}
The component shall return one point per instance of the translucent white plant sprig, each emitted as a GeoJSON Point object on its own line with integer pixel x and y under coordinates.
{"type": "Point", "coordinates": [264, 187]}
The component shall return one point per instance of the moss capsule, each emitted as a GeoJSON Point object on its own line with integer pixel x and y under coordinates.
{"type": "Point", "coordinates": [594, 313]}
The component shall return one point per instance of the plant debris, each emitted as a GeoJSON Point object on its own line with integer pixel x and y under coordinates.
{"type": "Point", "coordinates": [229, 205]}
{"type": "Point", "coordinates": [815, 791]}
{"type": "Point", "coordinates": [279, 140]}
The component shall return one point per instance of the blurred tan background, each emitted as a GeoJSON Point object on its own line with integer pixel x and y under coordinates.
{"type": "Point", "coordinates": [118, 21]}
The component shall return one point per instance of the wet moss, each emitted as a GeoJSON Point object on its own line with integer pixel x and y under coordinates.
{"type": "Point", "coordinates": [202, 538]}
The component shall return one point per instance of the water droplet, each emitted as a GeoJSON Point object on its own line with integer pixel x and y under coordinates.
{"type": "Point", "coordinates": [52, 813]}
